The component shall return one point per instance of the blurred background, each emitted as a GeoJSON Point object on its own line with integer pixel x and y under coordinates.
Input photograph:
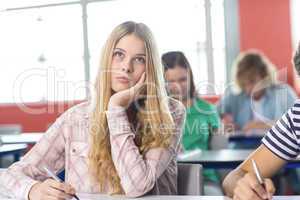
{"type": "Point", "coordinates": [49, 49]}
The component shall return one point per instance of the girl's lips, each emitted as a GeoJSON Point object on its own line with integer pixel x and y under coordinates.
{"type": "Point", "coordinates": [122, 79]}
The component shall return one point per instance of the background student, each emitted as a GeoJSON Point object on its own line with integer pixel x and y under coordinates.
{"type": "Point", "coordinates": [280, 145]}
{"type": "Point", "coordinates": [256, 99]}
{"type": "Point", "coordinates": [202, 119]}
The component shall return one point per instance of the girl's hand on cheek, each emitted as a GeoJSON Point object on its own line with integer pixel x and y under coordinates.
{"type": "Point", "coordinates": [126, 97]}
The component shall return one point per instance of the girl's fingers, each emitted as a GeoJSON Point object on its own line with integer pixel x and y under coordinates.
{"type": "Point", "coordinates": [235, 197]}
{"type": "Point", "coordinates": [51, 198]}
{"type": "Point", "coordinates": [140, 82]}
{"type": "Point", "coordinates": [247, 191]}
{"type": "Point", "coordinates": [256, 186]}
{"type": "Point", "coordinates": [143, 78]}
{"type": "Point", "coordinates": [238, 194]}
{"type": "Point", "coordinates": [62, 186]}
{"type": "Point", "coordinates": [126, 97]}
{"type": "Point", "coordinates": [71, 190]}
{"type": "Point", "coordinates": [269, 187]}
{"type": "Point", "coordinates": [138, 86]}
{"type": "Point", "coordinates": [58, 194]}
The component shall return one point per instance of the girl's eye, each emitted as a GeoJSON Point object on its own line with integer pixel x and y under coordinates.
{"type": "Point", "coordinates": [140, 60]}
{"type": "Point", "coordinates": [118, 54]}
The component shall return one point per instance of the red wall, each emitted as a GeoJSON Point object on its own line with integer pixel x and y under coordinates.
{"type": "Point", "coordinates": [266, 25]}
{"type": "Point", "coordinates": [49, 111]}
{"type": "Point", "coordinates": [34, 117]}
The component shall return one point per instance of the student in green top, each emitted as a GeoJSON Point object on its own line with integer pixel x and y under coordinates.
{"type": "Point", "coordinates": [202, 119]}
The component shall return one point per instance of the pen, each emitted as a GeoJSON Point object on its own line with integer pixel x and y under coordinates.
{"type": "Point", "coordinates": [52, 175]}
{"type": "Point", "coordinates": [258, 175]}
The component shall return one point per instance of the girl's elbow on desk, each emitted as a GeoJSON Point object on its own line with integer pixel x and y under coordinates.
{"type": "Point", "coordinates": [137, 192]}
{"type": "Point", "coordinates": [138, 189]}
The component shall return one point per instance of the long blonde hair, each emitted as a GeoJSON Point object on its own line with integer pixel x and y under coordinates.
{"type": "Point", "coordinates": [154, 113]}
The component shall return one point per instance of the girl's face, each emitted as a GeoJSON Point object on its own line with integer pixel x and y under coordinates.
{"type": "Point", "coordinates": [128, 62]}
{"type": "Point", "coordinates": [177, 82]}
{"type": "Point", "coordinates": [249, 84]}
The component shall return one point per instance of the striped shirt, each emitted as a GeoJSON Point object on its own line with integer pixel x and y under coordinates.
{"type": "Point", "coordinates": [283, 139]}
{"type": "Point", "coordinates": [66, 145]}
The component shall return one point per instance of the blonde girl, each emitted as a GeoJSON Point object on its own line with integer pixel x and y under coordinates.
{"type": "Point", "coordinates": [122, 141]}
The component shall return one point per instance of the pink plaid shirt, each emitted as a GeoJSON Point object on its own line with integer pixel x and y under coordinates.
{"type": "Point", "coordinates": [66, 144]}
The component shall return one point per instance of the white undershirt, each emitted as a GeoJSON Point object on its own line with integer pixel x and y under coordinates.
{"type": "Point", "coordinates": [257, 109]}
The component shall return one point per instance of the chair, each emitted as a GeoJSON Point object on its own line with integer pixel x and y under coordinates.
{"type": "Point", "coordinates": [218, 141]}
{"type": "Point", "coordinates": [190, 181]}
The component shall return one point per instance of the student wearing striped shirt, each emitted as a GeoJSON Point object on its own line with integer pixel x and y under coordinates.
{"type": "Point", "coordinates": [123, 141]}
{"type": "Point", "coordinates": [281, 144]}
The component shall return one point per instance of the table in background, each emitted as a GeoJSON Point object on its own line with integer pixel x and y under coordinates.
{"type": "Point", "coordinates": [13, 149]}
{"type": "Point", "coordinates": [216, 159]}
{"type": "Point", "coordinates": [222, 159]}
{"type": "Point", "coordinates": [252, 138]}
{"type": "Point", "coordinates": [24, 138]}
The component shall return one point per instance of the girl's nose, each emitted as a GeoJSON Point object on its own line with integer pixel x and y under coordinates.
{"type": "Point", "coordinates": [126, 67]}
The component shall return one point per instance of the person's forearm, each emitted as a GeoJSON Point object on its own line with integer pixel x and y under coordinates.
{"type": "Point", "coordinates": [231, 180]}
{"type": "Point", "coordinates": [265, 125]}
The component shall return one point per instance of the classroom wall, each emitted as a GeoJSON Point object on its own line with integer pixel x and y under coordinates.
{"type": "Point", "coordinates": [266, 25]}
{"type": "Point", "coordinates": [263, 24]}
{"type": "Point", "coordinates": [34, 117]}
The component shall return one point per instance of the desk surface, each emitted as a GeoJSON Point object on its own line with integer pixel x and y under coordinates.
{"type": "Point", "coordinates": [6, 148]}
{"type": "Point", "coordinates": [24, 138]}
{"type": "Point", "coordinates": [105, 197]}
{"type": "Point", "coordinates": [221, 157]}
{"type": "Point", "coordinates": [224, 155]}
{"type": "Point", "coordinates": [98, 197]}
{"type": "Point", "coordinates": [253, 135]}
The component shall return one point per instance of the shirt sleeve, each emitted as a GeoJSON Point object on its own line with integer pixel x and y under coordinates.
{"type": "Point", "coordinates": [281, 138]}
{"type": "Point", "coordinates": [290, 98]}
{"type": "Point", "coordinates": [49, 151]}
{"type": "Point", "coordinates": [138, 174]}
{"type": "Point", "coordinates": [287, 98]}
{"type": "Point", "coordinates": [214, 118]}
{"type": "Point", "coordinates": [224, 105]}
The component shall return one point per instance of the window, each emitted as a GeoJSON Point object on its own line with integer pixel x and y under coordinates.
{"type": "Point", "coordinates": [218, 44]}
{"type": "Point", "coordinates": [29, 3]}
{"type": "Point", "coordinates": [295, 16]}
{"type": "Point", "coordinates": [43, 42]}
{"type": "Point", "coordinates": [41, 54]}
{"type": "Point", "coordinates": [176, 25]}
